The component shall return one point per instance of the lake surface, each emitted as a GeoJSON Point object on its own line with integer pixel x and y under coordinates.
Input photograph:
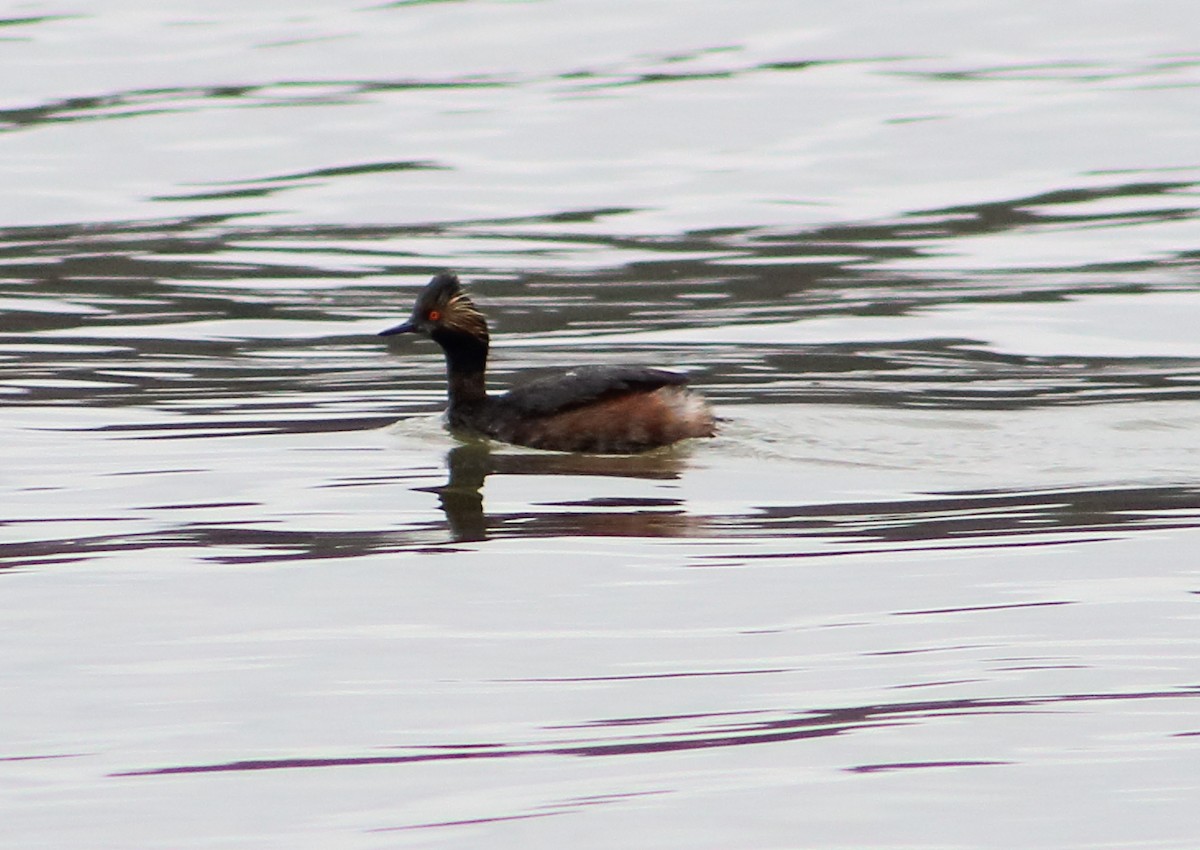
{"type": "Point", "coordinates": [934, 585]}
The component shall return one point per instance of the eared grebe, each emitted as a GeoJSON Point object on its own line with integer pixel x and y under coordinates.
{"type": "Point", "coordinates": [601, 409]}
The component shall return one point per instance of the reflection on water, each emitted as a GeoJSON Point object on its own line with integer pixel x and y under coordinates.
{"type": "Point", "coordinates": [946, 522]}
{"type": "Point", "coordinates": [607, 738]}
{"type": "Point", "coordinates": [936, 269]}
{"type": "Point", "coordinates": [461, 498]}
{"type": "Point", "coordinates": [950, 521]}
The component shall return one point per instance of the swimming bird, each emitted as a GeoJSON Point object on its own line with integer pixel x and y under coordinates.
{"type": "Point", "coordinates": [597, 409]}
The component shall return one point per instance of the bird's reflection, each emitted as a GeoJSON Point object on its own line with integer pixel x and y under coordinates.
{"type": "Point", "coordinates": [462, 495]}
{"type": "Point", "coordinates": [469, 465]}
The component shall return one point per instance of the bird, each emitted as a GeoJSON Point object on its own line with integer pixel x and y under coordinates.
{"type": "Point", "coordinates": [587, 409]}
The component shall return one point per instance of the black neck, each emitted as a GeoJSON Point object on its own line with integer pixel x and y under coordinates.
{"type": "Point", "coordinates": [466, 365]}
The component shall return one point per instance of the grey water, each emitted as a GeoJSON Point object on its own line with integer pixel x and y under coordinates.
{"type": "Point", "coordinates": [934, 585]}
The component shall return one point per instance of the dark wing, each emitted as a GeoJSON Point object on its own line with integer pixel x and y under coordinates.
{"type": "Point", "coordinates": [565, 390]}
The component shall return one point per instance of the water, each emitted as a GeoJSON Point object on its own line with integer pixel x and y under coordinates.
{"type": "Point", "coordinates": [932, 586]}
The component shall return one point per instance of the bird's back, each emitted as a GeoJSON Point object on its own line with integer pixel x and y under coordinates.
{"type": "Point", "coordinates": [605, 409]}
{"type": "Point", "coordinates": [583, 385]}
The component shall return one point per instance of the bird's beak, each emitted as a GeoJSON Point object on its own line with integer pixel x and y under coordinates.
{"type": "Point", "coordinates": [408, 327]}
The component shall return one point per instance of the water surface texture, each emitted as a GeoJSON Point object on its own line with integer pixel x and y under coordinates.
{"type": "Point", "coordinates": [934, 585]}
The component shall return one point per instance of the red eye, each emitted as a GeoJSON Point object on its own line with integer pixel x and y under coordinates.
{"type": "Point", "coordinates": [435, 315]}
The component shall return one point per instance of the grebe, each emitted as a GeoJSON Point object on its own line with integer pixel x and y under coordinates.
{"type": "Point", "coordinates": [598, 409]}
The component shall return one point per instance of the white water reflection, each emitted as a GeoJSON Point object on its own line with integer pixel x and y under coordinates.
{"type": "Point", "coordinates": [1146, 325]}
